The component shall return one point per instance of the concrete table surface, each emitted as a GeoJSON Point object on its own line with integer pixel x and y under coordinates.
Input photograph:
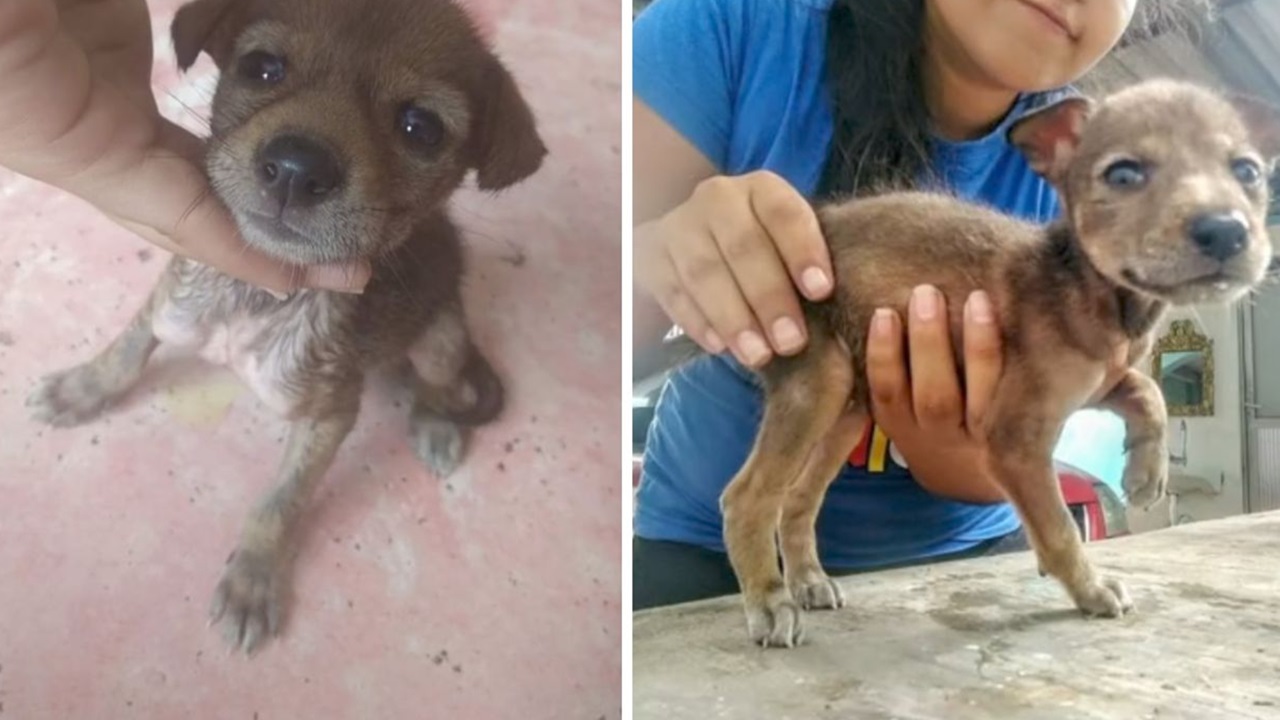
{"type": "Point", "coordinates": [990, 638]}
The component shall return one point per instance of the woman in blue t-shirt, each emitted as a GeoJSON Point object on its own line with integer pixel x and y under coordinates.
{"type": "Point", "coordinates": [745, 108]}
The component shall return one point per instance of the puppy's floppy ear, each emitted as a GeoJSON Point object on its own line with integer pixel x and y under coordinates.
{"type": "Point", "coordinates": [504, 146]}
{"type": "Point", "coordinates": [1049, 137]}
{"type": "Point", "coordinates": [1263, 121]}
{"type": "Point", "coordinates": [209, 26]}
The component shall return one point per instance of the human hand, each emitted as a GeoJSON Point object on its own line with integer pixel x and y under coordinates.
{"type": "Point", "coordinates": [77, 112]}
{"type": "Point", "coordinates": [725, 265]}
{"type": "Point", "coordinates": [918, 402]}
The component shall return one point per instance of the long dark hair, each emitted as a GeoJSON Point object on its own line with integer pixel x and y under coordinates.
{"type": "Point", "coordinates": [880, 136]}
{"type": "Point", "coordinates": [881, 128]}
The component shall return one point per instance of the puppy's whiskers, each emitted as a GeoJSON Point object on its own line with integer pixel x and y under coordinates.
{"type": "Point", "coordinates": [385, 254]}
{"type": "Point", "coordinates": [189, 111]}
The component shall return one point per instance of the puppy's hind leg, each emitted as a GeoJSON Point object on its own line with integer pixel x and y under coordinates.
{"type": "Point", "coordinates": [804, 397]}
{"type": "Point", "coordinates": [453, 389]}
{"type": "Point", "coordinates": [806, 579]}
{"type": "Point", "coordinates": [80, 393]}
{"type": "Point", "coordinates": [249, 599]}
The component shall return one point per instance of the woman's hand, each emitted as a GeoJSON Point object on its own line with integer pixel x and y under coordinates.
{"type": "Point", "coordinates": [77, 112]}
{"type": "Point", "coordinates": [725, 265]}
{"type": "Point", "coordinates": [917, 399]}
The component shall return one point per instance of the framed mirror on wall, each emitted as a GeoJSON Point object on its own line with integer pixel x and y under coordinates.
{"type": "Point", "coordinates": [1182, 364]}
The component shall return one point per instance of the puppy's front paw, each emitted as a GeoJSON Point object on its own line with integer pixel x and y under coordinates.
{"type": "Point", "coordinates": [247, 601]}
{"type": "Point", "coordinates": [439, 444]}
{"type": "Point", "coordinates": [773, 618]}
{"type": "Point", "coordinates": [1107, 597]}
{"type": "Point", "coordinates": [1146, 474]}
{"type": "Point", "coordinates": [69, 397]}
{"type": "Point", "coordinates": [811, 587]}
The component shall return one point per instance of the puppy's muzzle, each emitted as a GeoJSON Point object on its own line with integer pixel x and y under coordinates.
{"type": "Point", "coordinates": [1220, 236]}
{"type": "Point", "coordinates": [297, 172]}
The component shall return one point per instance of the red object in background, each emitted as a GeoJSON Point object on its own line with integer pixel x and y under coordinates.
{"type": "Point", "coordinates": [1079, 489]}
{"type": "Point", "coordinates": [1082, 499]}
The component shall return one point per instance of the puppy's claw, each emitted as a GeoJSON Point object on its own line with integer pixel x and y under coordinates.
{"type": "Point", "coordinates": [1106, 598]}
{"type": "Point", "coordinates": [1146, 475]}
{"type": "Point", "coordinates": [438, 444]}
{"type": "Point", "coordinates": [775, 620]}
{"type": "Point", "coordinates": [813, 590]}
{"type": "Point", "coordinates": [68, 398]}
{"type": "Point", "coordinates": [273, 620]}
{"type": "Point", "coordinates": [246, 602]}
{"type": "Point", "coordinates": [254, 632]}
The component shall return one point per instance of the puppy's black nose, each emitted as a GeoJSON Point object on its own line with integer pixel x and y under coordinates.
{"type": "Point", "coordinates": [1221, 236]}
{"type": "Point", "coordinates": [298, 171]}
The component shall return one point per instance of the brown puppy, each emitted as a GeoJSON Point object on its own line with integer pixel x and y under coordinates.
{"type": "Point", "coordinates": [1165, 193]}
{"type": "Point", "coordinates": [339, 131]}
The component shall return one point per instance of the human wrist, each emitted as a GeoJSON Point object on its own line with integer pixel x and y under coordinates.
{"type": "Point", "coordinates": [958, 475]}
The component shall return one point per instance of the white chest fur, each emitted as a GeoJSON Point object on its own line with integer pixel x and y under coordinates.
{"type": "Point", "coordinates": [269, 351]}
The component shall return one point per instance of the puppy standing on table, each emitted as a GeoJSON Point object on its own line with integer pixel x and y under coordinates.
{"type": "Point", "coordinates": [339, 131]}
{"type": "Point", "coordinates": [1165, 191]}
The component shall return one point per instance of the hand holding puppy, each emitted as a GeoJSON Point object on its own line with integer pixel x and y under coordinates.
{"type": "Point", "coordinates": [77, 112]}
{"type": "Point", "coordinates": [918, 400]}
{"type": "Point", "coordinates": [725, 265]}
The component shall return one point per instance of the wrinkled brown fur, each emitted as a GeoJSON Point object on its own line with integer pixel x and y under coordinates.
{"type": "Point", "coordinates": [350, 68]}
{"type": "Point", "coordinates": [1072, 300]}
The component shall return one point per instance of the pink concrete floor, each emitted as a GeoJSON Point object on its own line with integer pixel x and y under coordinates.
{"type": "Point", "coordinates": [494, 595]}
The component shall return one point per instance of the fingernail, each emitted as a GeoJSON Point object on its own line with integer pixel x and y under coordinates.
{"type": "Point", "coordinates": [924, 300]}
{"type": "Point", "coordinates": [787, 335]}
{"type": "Point", "coordinates": [815, 282]}
{"type": "Point", "coordinates": [980, 308]}
{"type": "Point", "coordinates": [752, 347]}
{"type": "Point", "coordinates": [339, 278]}
{"type": "Point", "coordinates": [882, 322]}
{"type": "Point", "coordinates": [713, 341]}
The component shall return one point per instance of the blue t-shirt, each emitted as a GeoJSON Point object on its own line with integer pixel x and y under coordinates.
{"type": "Point", "coordinates": [744, 82]}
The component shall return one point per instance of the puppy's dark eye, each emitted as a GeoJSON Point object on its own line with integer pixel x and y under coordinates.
{"type": "Point", "coordinates": [1248, 172]}
{"type": "Point", "coordinates": [262, 67]}
{"type": "Point", "coordinates": [1125, 174]}
{"type": "Point", "coordinates": [423, 128]}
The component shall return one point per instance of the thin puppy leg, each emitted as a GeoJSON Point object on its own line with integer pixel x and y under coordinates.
{"type": "Point", "coordinates": [80, 393]}
{"type": "Point", "coordinates": [803, 402]}
{"type": "Point", "coordinates": [248, 599]}
{"type": "Point", "coordinates": [1021, 436]}
{"type": "Point", "coordinates": [1137, 399]}
{"type": "Point", "coordinates": [806, 579]}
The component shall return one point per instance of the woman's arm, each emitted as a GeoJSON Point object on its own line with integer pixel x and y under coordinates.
{"type": "Point", "coordinates": [665, 170]}
{"type": "Point", "coordinates": [724, 260]}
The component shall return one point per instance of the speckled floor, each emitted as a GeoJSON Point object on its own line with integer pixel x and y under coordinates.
{"type": "Point", "coordinates": [494, 595]}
